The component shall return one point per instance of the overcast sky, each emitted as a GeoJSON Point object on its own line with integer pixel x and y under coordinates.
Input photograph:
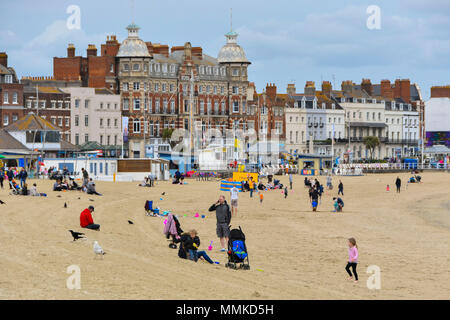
{"type": "Point", "coordinates": [286, 40]}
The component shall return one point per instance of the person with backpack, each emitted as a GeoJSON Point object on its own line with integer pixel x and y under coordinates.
{"type": "Point", "coordinates": [223, 216]}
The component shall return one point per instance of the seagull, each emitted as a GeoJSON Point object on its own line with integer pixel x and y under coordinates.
{"type": "Point", "coordinates": [76, 235]}
{"type": "Point", "coordinates": [65, 204]}
{"type": "Point", "coordinates": [91, 200]}
{"type": "Point", "coordinates": [163, 193]}
{"type": "Point", "coordinates": [58, 196]}
{"type": "Point", "coordinates": [98, 250]}
{"type": "Point", "coordinates": [130, 222]}
{"type": "Point", "coordinates": [1, 202]}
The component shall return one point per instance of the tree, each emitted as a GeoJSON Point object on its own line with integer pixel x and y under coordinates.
{"type": "Point", "coordinates": [371, 143]}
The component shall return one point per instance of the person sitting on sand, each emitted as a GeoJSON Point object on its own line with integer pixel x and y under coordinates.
{"type": "Point", "coordinates": [190, 242]}
{"type": "Point", "coordinates": [35, 193]}
{"type": "Point", "coordinates": [338, 204]}
{"type": "Point", "coordinates": [25, 189]}
{"type": "Point", "coordinates": [90, 188]}
{"type": "Point", "coordinates": [86, 220]}
{"type": "Point", "coordinates": [57, 186]}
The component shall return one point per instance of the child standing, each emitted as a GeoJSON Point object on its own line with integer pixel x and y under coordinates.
{"type": "Point", "coordinates": [352, 258]}
{"type": "Point", "coordinates": [261, 197]}
{"type": "Point", "coordinates": [285, 192]}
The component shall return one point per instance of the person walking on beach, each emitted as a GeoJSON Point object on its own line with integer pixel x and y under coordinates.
{"type": "Point", "coordinates": [234, 200]}
{"type": "Point", "coordinates": [223, 216]}
{"type": "Point", "coordinates": [10, 175]}
{"type": "Point", "coordinates": [352, 258]}
{"type": "Point", "coordinates": [285, 192]}
{"type": "Point", "coordinates": [314, 195]}
{"type": "Point", "coordinates": [261, 197]}
{"type": "Point", "coordinates": [398, 183]}
{"type": "Point", "coordinates": [290, 180]}
{"type": "Point", "coordinates": [85, 177]}
{"type": "Point", "coordinates": [340, 188]}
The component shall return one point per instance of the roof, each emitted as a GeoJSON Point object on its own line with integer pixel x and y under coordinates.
{"type": "Point", "coordinates": [67, 146]}
{"type": "Point", "coordinates": [32, 122]}
{"type": "Point", "coordinates": [8, 142]}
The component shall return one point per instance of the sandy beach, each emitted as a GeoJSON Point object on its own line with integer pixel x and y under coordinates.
{"type": "Point", "coordinates": [294, 253]}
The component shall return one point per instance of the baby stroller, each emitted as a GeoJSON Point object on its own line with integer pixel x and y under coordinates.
{"type": "Point", "coordinates": [237, 251]}
{"type": "Point", "coordinates": [172, 229]}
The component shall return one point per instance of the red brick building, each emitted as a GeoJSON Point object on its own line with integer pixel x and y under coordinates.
{"type": "Point", "coordinates": [11, 93]}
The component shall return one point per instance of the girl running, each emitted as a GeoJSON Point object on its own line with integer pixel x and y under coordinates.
{"type": "Point", "coordinates": [352, 258]}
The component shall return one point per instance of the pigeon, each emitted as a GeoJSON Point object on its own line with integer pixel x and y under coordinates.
{"type": "Point", "coordinates": [1, 202]}
{"type": "Point", "coordinates": [163, 193]}
{"type": "Point", "coordinates": [130, 222]}
{"type": "Point", "coordinates": [76, 235]}
{"type": "Point", "coordinates": [98, 250]}
{"type": "Point", "coordinates": [65, 204]}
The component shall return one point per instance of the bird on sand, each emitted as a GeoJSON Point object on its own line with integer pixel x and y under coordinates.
{"type": "Point", "coordinates": [163, 193]}
{"type": "Point", "coordinates": [65, 204]}
{"type": "Point", "coordinates": [76, 235]}
{"type": "Point", "coordinates": [91, 200]}
{"type": "Point", "coordinates": [130, 222]}
{"type": "Point", "coordinates": [98, 250]}
{"type": "Point", "coordinates": [1, 202]}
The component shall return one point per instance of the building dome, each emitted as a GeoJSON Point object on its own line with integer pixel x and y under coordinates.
{"type": "Point", "coordinates": [232, 52]}
{"type": "Point", "coordinates": [133, 46]}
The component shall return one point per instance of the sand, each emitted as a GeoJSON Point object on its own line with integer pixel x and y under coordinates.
{"type": "Point", "coordinates": [294, 253]}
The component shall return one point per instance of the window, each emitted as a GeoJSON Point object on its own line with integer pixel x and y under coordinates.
{"type": "Point", "coordinates": [136, 126]}
{"type": "Point", "coordinates": [156, 87]}
{"type": "Point", "coordinates": [86, 138]}
{"type": "Point", "coordinates": [5, 120]}
{"type": "Point", "coordinates": [126, 104]}
{"type": "Point", "coordinates": [5, 97]}
{"type": "Point", "coordinates": [101, 139]}
{"type": "Point", "coordinates": [101, 105]}
{"type": "Point", "coordinates": [172, 87]}
{"type": "Point", "coordinates": [86, 103]}
{"type": "Point", "coordinates": [235, 72]}
{"type": "Point", "coordinates": [172, 106]}
{"type": "Point", "coordinates": [137, 104]}
{"type": "Point", "coordinates": [60, 122]}
{"type": "Point", "coordinates": [86, 121]}
{"type": "Point", "coordinates": [115, 140]}
{"type": "Point", "coordinates": [108, 140]}
{"type": "Point", "coordinates": [111, 68]}
{"type": "Point", "coordinates": [235, 90]}
{"type": "Point", "coordinates": [235, 106]}
{"type": "Point", "coordinates": [136, 86]}
{"type": "Point", "coordinates": [157, 105]}
{"type": "Point", "coordinates": [14, 100]}
{"type": "Point", "coordinates": [125, 86]}
{"type": "Point", "coordinates": [8, 78]}
{"type": "Point", "coordinates": [136, 67]}
{"type": "Point", "coordinates": [222, 90]}
{"type": "Point", "coordinates": [67, 121]}
{"type": "Point", "coordinates": [163, 87]}
{"type": "Point", "coordinates": [126, 67]}
{"type": "Point", "coordinates": [108, 122]}
{"type": "Point", "coordinates": [77, 139]}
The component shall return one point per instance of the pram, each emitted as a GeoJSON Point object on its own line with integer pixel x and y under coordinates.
{"type": "Point", "coordinates": [16, 190]}
{"type": "Point", "coordinates": [237, 251]}
{"type": "Point", "coordinates": [172, 229]}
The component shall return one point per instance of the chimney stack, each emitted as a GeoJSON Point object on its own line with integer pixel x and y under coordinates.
{"type": "Point", "coordinates": [271, 90]}
{"type": "Point", "coordinates": [70, 51]}
{"type": "Point", "coordinates": [366, 85]}
{"type": "Point", "coordinates": [402, 89]}
{"type": "Point", "coordinates": [440, 91]}
{"type": "Point", "coordinates": [4, 59]}
{"type": "Point", "coordinates": [386, 89]}
{"type": "Point", "coordinates": [310, 88]}
{"type": "Point", "coordinates": [326, 88]}
{"type": "Point", "coordinates": [291, 90]}
{"type": "Point", "coordinates": [91, 50]}
{"type": "Point", "coordinates": [347, 86]}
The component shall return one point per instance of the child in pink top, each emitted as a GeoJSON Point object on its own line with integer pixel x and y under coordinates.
{"type": "Point", "coordinates": [352, 258]}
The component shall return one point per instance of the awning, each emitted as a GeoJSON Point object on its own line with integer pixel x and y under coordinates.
{"type": "Point", "coordinates": [368, 124]}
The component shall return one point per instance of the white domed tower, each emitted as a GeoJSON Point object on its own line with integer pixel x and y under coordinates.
{"type": "Point", "coordinates": [133, 59]}
{"type": "Point", "coordinates": [233, 58]}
